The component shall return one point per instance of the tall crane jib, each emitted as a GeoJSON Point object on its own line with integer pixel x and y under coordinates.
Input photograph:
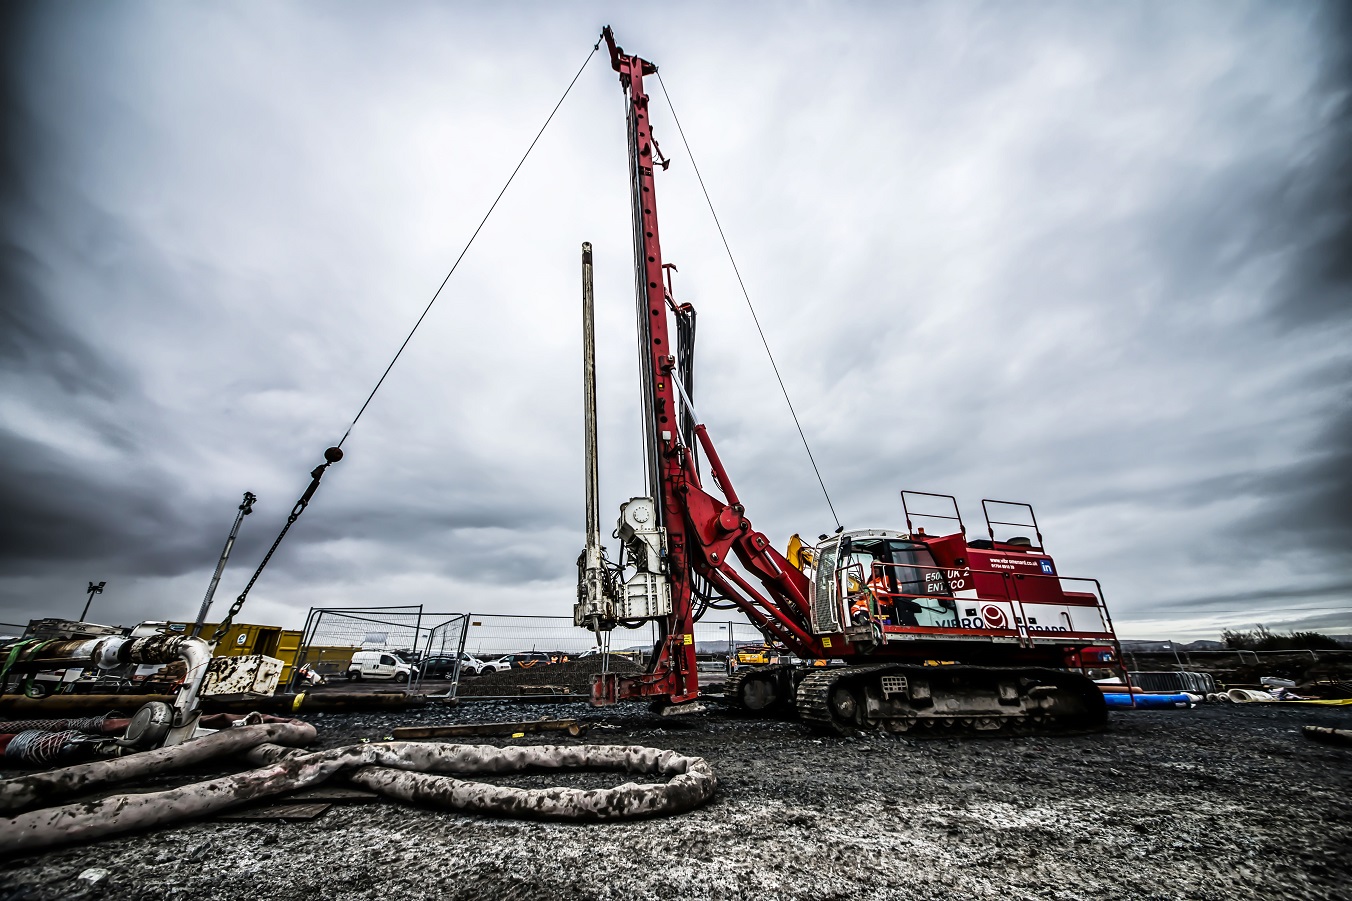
{"type": "Point", "coordinates": [888, 628]}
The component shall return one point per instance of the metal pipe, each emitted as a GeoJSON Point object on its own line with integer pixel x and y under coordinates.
{"type": "Point", "coordinates": [196, 653]}
{"type": "Point", "coordinates": [593, 612]}
{"type": "Point", "coordinates": [589, 404]}
{"type": "Point", "coordinates": [460, 654]}
{"type": "Point", "coordinates": [245, 509]}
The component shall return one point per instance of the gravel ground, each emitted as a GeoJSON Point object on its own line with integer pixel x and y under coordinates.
{"type": "Point", "coordinates": [1213, 803]}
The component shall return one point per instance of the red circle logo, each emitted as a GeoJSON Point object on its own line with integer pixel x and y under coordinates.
{"type": "Point", "coordinates": [994, 616]}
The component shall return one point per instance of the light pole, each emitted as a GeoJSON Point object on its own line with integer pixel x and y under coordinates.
{"type": "Point", "coordinates": [93, 590]}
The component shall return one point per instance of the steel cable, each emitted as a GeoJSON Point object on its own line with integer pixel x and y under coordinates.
{"type": "Point", "coordinates": [747, 296]}
{"type": "Point", "coordinates": [333, 454]}
{"type": "Point", "coordinates": [465, 249]}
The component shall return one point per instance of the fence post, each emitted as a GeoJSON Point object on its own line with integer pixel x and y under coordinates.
{"type": "Point", "coordinates": [426, 654]}
{"type": "Point", "coordinates": [417, 628]}
{"type": "Point", "coordinates": [302, 652]}
{"type": "Point", "coordinates": [459, 655]}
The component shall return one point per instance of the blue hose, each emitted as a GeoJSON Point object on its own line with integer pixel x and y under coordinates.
{"type": "Point", "coordinates": [1148, 702]}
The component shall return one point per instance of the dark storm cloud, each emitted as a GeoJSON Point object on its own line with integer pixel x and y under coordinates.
{"type": "Point", "coordinates": [54, 508]}
{"type": "Point", "coordinates": [57, 509]}
{"type": "Point", "coordinates": [1036, 261]}
{"type": "Point", "coordinates": [1236, 602]}
{"type": "Point", "coordinates": [1309, 223]}
{"type": "Point", "coordinates": [1314, 222]}
{"type": "Point", "coordinates": [1309, 503]}
{"type": "Point", "coordinates": [34, 340]}
{"type": "Point", "coordinates": [32, 335]}
{"type": "Point", "coordinates": [16, 137]}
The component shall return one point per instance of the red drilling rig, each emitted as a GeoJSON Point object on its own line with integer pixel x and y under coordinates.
{"type": "Point", "coordinates": [932, 630]}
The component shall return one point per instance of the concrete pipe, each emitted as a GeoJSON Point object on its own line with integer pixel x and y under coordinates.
{"type": "Point", "coordinates": [1248, 696]}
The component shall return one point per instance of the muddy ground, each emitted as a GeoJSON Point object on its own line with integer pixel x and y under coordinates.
{"type": "Point", "coordinates": [1213, 803]}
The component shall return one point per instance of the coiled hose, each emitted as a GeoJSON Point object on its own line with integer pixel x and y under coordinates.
{"type": "Point", "coordinates": [418, 772]}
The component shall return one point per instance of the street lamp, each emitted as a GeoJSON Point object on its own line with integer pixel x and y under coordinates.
{"type": "Point", "coordinates": [93, 590]}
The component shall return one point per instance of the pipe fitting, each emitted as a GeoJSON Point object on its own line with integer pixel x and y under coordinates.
{"type": "Point", "coordinates": [162, 648]}
{"type": "Point", "coordinates": [110, 653]}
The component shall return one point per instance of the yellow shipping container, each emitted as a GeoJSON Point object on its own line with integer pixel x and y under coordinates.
{"type": "Point", "coordinates": [242, 639]}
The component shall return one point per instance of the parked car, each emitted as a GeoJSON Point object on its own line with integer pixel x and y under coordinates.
{"type": "Point", "coordinates": [379, 665]}
{"type": "Point", "coordinates": [440, 667]}
{"type": "Point", "coordinates": [443, 666]}
{"type": "Point", "coordinates": [527, 659]}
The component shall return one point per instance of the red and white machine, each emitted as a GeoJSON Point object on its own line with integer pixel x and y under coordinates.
{"type": "Point", "coordinates": [930, 629]}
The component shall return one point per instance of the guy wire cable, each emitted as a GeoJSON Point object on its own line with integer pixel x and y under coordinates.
{"type": "Point", "coordinates": [747, 296]}
{"type": "Point", "coordinates": [465, 250]}
{"type": "Point", "coordinates": [334, 454]}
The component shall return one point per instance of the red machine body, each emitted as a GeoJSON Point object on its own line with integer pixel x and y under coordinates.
{"type": "Point", "coordinates": [859, 597]}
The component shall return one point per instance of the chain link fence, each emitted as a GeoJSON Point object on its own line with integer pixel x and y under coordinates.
{"type": "Point", "coordinates": [489, 636]}
{"type": "Point", "coordinates": [333, 634]}
{"type": "Point", "coordinates": [447, 646]}
{"type": "Point", "coordinates": [1184, 657]}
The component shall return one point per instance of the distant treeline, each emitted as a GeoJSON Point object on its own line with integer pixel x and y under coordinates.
{"type": "Point", "coordinates": [1263, 639]}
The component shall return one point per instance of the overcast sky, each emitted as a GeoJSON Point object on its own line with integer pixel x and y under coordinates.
{"type": "Point", "coordinates": [1095, 257]}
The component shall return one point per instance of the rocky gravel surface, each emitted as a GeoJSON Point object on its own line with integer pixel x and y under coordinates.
{"type": "Point", "coordinates": [1213, 803]}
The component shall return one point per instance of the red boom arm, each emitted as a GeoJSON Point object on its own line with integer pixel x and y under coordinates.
{"type": "Point", "coordinates": [702, 531]}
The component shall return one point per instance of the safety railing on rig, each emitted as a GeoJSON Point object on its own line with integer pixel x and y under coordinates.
{"type": "Point", "coordinates": [919, 600]}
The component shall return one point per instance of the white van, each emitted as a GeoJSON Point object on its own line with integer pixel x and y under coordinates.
{"type": "Point", "coordinates": [378, 665]}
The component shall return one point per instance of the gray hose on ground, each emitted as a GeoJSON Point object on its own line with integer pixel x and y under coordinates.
{"type": "Point", "coordinates": [692, 782]}
{"type": "Point", "coordinates": [1329, 735]}
{"type": "Point", "coordinates": [400, 770]}
{"type": "Point", "coordinates": [22, 791]}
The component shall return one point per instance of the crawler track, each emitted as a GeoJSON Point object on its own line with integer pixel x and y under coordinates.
{"type": "Point", "coordinates": [900, 698]}
{"type": "Point", "coordinates": [761, 690]}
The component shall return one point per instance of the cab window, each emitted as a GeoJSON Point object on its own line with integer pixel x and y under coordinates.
{"type": "Point", "coordinates": [386, 660]}
{"type": "Point", "coordinates": [860, 557]}
{"type": "Point", "coordinates": [916, 572]}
